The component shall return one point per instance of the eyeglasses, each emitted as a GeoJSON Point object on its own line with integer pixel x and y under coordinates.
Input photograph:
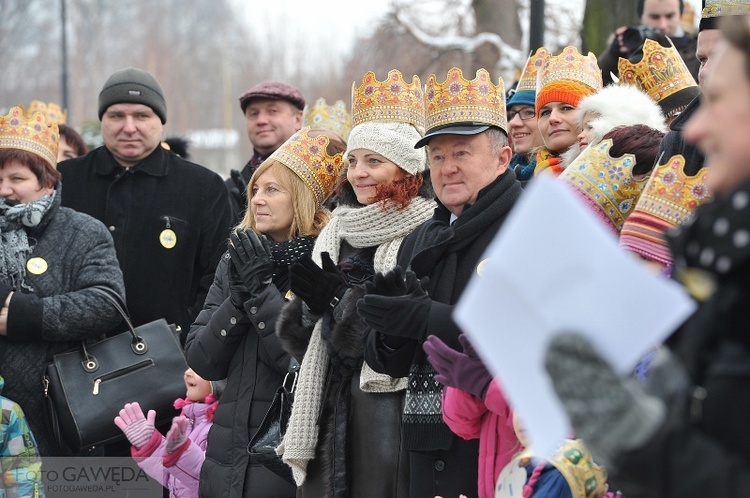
{"type": "Point", "coordinates": [524, 114]}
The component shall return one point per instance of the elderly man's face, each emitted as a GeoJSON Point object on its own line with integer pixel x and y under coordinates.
{"type": "Point", "coordinates": [721, 125]}
{"type": "Point", "coordinates": [462, 165]}
{"type": "Point", "coordinates": [270, 123]}
{"type": "Point", "coordinates": [663, 15]}
{"type": "Point", "coordinates": [131, 132]}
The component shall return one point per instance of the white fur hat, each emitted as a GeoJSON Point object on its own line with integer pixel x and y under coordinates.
{"type": "Point", "coordinates": [393, 140]}
{"type": "Point", "coordinates": [620, 105]}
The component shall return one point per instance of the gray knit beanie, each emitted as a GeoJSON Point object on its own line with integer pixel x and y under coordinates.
{"type": "Point", "coordinates": [217, 387]}
{"type": "Point", "coordinates": [392, 140]}
{"type": "Point", "coordinates": [136, 86]}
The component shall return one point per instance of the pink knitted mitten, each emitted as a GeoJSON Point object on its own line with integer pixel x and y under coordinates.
{"type": "Point", "coordinates": [137, 427]}
{"type": "Point", "coordinates": [178, 433]}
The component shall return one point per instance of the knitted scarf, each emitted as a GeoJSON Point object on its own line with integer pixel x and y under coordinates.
{"type": "Point", "coordinates": [523, 166]}
{"type": "Point", "coordinates": [14, 242]}
{"type": "Point", "coordinates": [548, 162]}
{"type": "Point", "coordinates": [440, 246]}
{"type": "Point", "coordinates": [285, 254]}
{"type": "Point", "coordinates": [361, 227]}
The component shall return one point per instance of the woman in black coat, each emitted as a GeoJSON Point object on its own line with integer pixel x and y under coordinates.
{"type": "Point", "coordinates": [233, 337]}
{"type": "Point", "coordinates": [693, 443]}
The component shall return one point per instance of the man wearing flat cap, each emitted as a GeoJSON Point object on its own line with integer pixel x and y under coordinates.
{"type": "Point", "coordinates": [169, 218]}
{"type": "Point", "coordinates": [468, 155]}
{"type": "Point", "coordinates": [273, 110]}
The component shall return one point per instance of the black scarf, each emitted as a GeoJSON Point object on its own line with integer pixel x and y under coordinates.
{"type": "Point", "coordinates": [713, 252]}
{"type": "Point", "coordinates": [285, 254]}
{"type": "Point", "coordinates": [441, 244]}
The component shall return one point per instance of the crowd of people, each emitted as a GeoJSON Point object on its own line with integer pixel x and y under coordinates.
{"type": "Point", "coordinates": [338, 253]}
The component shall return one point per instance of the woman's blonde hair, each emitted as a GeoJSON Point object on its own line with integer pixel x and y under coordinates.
{"type": "Point", "coordinates": [309, 217]}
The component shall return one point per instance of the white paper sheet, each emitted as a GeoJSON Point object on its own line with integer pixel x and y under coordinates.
{"type": "Point", "coordinates": [554, 267]}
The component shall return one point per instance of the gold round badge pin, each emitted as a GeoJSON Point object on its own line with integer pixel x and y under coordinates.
{"type": "Point", "coordinates": [37, 266]}
{"type": "Point", "coordinates": [481, 266]}
{"type": "Point", "coordinates": [168, 238]}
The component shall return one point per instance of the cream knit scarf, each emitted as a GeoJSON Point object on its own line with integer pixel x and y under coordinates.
{"type": "Point", "coordinates": [361, 227]}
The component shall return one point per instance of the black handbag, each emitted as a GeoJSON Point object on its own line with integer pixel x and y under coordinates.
{"type": "Point", "coordinates": [262, 446]}
{"type": "Point", "coordinates": [87, 387]}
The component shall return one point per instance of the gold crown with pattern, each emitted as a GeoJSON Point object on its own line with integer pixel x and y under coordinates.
{"type": "Point", "coordinates": [723, 8]}
{"type": "Point", "coordinates": [668, 200]}
{"type": "Point", "coordinates": [29, 132]}
{"type": "Point", "coordinates": [570, 65]}
{"type": "Point", "coordinates": [308, 158]}
{"type": "Point", "coordinates": [660, 73]}
{"type": "Point", "coordinates": [334, 118]}
{"type": "Point", "coordinates": [53, 113]}
{"type": "Point", "coordinates": [534, 63]}
{"type": "Point", "coordinates": [585, 478]}
{"type": "Point", "coordinates": [673, 196]}
{"type": "Point", "coordinates": [605, 181]}
{"type": "Point", "coordinates": [458, 100]}
{"type": "Point", "coordinates": [390, 100]}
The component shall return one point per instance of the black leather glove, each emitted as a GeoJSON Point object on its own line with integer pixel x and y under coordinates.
{"type": "Point", "coordinates": [251, 260]}
{"type": "Point", "coordinates": [320, 288]}
{"type": "Point", "coordinates": [396, 305]}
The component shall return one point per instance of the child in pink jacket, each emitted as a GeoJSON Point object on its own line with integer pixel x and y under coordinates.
{"type": "Point", "coordinates": [175, 460]}
{"type": "Point", "coordinates": [474, 407]}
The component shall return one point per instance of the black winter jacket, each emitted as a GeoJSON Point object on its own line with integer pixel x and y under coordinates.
{"type": "Point", "coordinates": [426, 251]}
{"type": "Point", "coordinates": [163, 192]}
{"type": "Point", "coordinates": [243, 348]}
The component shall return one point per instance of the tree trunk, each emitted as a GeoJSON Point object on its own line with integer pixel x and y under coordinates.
{"type": "Point", "coordinates": [601, 18]}
{"type": "Point", "coordinates": [498, 16]}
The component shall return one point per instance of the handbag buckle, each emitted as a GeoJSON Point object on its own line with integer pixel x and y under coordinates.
{"type": "Point", "coordinates": [139, 345]}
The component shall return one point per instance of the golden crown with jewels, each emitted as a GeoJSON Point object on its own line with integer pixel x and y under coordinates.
{"type": "Point", "coordinates": [660, 73]}
{"type": "Point", "coordinates": [308, 158]}
{"type": "Point", "coordinates": [534, 63]}
{"type": "Point", "coordinates": [570, 65]}
{"type": "Point", "coordinates": [723, 8]}
{"type": "Point", "coordinates": [668, 200]}
{"type": "Point", "coordinates": [392, 99]}
{"type": "Point", "coordinates": [458, 100]}
{"type": "Point", "coordinates": [53, 113]}
{"type": "Point", "coordinates": [334, 118]}
{"type": "Point", "coordinates": [30, 132]}
{"type": "Point", "coordinates": [605, 181]}
{"type": "Point", "coordinates": [585, 478]}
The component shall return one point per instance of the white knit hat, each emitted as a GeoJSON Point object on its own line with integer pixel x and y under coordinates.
{"type": "Point", "coordinates": [392, 140]}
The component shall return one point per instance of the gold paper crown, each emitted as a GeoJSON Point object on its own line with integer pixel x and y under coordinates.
{"type": "Point", "coordinates": [723, 8]}
{"type": "Point", "coordinates": [52, 112]}
{"type": "Point", "coordinates": [660, 73]}
{"type": "Point", "coordinates": [390, 100]}
{"type": "Point", "coordinates": [570, 65]}
{"type": "Point", "coordinates": [458, 100]}
{"type": "Point", "coordinates": [29, 132]}
{"type": "Point", "coordinates": [334, 118]}
{"type": "Point", "coordinates": [308, 158]}
{"type": "Point", "coordinates": [606, 181]}
{"type": "Point", "coordinates": [672, 196]}
{"type": "Point", "coordinates": [585, 478]}
{"type": "Point", "coordinates": [534, 63]}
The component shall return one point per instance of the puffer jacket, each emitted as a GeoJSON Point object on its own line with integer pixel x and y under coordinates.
{"type": "Point", "coordinates": [243, 348]}
{"type": "Point", "coordinates": [181, 478]}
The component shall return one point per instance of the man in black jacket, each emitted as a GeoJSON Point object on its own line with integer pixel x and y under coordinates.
{"type": "Point", "coordinates": [169, 218]}
{"type": "Point", "coordinates": [468, 155]}
{"type": "Point", "coordinates": [273, 110]}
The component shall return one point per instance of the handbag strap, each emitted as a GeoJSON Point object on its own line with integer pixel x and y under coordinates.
{"type": "Point", "coordinates": [137, 344]}
{"type": "Point", "coordinates": [292, 370]}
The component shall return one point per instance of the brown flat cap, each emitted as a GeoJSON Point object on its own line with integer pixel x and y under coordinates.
{"type": "Point", "coordinates": [274, 90]}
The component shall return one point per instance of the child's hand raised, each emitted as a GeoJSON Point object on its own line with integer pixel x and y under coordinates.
{"type": "Point", "coordinates": [137, 427]}
{"type": "Point", "coordinates": [177, 434]}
